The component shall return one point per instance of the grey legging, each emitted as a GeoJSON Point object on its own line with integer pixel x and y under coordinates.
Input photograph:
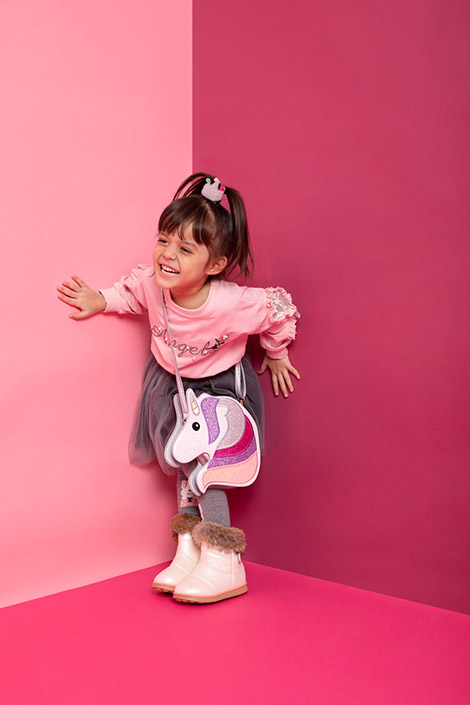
{"type": "Point", "coordinates": [211, 506]}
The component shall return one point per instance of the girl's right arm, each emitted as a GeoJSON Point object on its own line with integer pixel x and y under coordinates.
{"type": "Point", "coordinates": [128, 295]}
{"type": "Point", "coordinates": [81, 296]}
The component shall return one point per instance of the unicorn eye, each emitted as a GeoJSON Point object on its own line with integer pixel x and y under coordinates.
{"type": "Point", "coordinates": [196, 426]}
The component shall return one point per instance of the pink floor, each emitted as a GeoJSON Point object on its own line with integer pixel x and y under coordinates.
{"type": "Point", "coordinates": [290, 639]}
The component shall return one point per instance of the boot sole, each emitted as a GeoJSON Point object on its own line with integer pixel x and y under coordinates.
{"type": "Point", "coordinates": [211, 598]}
{"type": "Point", "coordinates": [162, 588]}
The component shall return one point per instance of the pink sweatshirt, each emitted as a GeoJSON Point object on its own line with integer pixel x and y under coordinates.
{"type": "Point", "coordinates": [213, 337]}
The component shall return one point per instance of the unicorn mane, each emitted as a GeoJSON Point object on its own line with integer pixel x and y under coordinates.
{"type": "Point", "coordinates": [237, 453]}
{"type": "Point", "coordinates": [208, 406]}
{"type": "Point", "coordinates": [236, 419]}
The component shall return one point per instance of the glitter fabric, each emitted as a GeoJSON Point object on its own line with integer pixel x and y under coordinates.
{"type": "Point", "coordinates": [208, 406]}
{"type": "Point", "coordinates": [237, 454]}
{"type": "Point", "coordinates": [236, 424]}
{"type": "Point", "coordinates": [240, 446]}
{"type": "Point", "coordinates": [223, 439]}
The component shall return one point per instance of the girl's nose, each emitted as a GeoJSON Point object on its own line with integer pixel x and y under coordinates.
{"type": "Point", "coordinates": [169, 253]}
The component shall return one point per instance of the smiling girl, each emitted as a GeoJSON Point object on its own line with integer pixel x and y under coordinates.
{"type": "Point", "coordinates": [202, 238]}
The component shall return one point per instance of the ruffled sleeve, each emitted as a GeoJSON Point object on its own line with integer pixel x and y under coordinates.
{"type": "Point", "coordinates": [282, 317]}
{"type": "Point", "coordinates": [128, 294]}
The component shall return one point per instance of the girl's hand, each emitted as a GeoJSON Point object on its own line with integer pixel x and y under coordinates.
{"type": "Point", "coordinates": [79, 294]}
{"type": "Point", "coordinates": [280, 374]}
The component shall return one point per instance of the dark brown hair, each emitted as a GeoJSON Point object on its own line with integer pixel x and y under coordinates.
{"type": "Point", "coordinates": [224, 231]}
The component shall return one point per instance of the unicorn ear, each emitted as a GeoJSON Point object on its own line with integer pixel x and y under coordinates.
{"type": "Point", "coordinates": [191, 401]}
{"type": "Point", "coordinates": [222, 410]}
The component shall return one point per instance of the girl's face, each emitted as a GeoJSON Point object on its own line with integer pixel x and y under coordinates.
{"type": "Point", "coordinates": [183, 265]}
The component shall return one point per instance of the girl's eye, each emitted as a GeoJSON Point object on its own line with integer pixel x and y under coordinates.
{"type": "Point", "coordinates": [186, 251]}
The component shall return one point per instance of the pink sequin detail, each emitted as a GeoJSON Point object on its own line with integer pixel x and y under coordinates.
{"type": "Point", "coordinates": [242, 450]}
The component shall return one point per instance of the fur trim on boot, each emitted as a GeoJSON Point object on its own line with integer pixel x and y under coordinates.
{"type": "Point", "coordinates": [183, 524]}
{"type": "Point", "coordinates": [225, 538]}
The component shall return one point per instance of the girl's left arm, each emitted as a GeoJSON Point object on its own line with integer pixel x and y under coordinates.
{"type": "Point", "coordinates": [281, 371]}
{"type": "Point", "coordinates": [279, 331]}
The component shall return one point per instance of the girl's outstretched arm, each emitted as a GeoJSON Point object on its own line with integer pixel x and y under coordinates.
{"type": "Point", "coordinates": [80, 295]}
{"type": "Point", "coordinates": [280, 374]}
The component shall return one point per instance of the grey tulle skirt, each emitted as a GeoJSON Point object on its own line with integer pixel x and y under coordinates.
{"type": "Point", "coordinates": [155, 417]}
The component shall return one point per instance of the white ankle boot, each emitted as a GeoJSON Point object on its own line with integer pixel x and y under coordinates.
{"type": "Point", "coordinates": [186, 557]}
{"type": "Point", "coordinates": [220, 574]}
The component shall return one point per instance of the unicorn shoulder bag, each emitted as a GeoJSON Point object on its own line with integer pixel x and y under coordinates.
{"type": "Point", "coordinates": [215, 431]}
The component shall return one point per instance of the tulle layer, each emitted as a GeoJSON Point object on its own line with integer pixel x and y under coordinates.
{"type": "Point", "coordinates": [155, 417]}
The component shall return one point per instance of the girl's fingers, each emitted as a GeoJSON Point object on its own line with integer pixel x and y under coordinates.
{"type": "Point", "coordinates": [275, 386]}
{"type": "Point", "coordinates": [282, 384]}
{"type": "Point", "coordinates": [79, 281]}
{"type": "Point", "coordinates": [294, 371]}
{"type": "Point", "coordinates": [71, 286]}
{"type": "Point", "coordinates": [66, 292]}
{"type": "Point", "coordinates": [67, 299]}
{"type": "Point", "coordinates": [288, 382]}
{"type": "Point", "coordinates": [280, 374]}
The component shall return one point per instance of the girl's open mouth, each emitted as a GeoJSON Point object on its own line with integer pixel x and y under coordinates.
{"type": "Point", "coordinates": [168, 270]}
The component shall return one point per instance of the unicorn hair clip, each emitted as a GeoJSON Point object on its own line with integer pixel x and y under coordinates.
{"type": "Point", "coordinates": [213, 191]}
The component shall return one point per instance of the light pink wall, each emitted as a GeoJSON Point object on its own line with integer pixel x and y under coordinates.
{"type": "Point", "coordinates": [96, 128]}
{"type": "Point", "coordinates": [346, 127]}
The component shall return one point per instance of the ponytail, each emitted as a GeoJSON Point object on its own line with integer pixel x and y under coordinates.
{"type": "Point", "coordinates": [223, 230]}
{"type": "Point", "coordinates": [242, 256]}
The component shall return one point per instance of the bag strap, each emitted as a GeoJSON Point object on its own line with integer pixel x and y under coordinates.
{"type": "Point", "coordinates": [179, 381]}
{"type": "Point", "coordinates": [240, 381]}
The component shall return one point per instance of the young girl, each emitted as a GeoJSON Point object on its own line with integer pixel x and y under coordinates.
{"type": "Point", "coordinates": [202, 238]}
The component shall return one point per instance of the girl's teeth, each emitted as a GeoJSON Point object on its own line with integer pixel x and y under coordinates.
{"type": "Point", "coordinates": [168, 271]}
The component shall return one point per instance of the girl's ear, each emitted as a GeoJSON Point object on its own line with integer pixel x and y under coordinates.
{"type": "Point", "coordinates": [217, 265]}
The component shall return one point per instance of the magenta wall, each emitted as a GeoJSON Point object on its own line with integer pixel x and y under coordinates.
{"type": "Point", "coordinates": [345, 125]}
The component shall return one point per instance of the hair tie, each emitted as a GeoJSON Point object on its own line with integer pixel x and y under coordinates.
{"type": "Point", "coordinates": [213, 191]}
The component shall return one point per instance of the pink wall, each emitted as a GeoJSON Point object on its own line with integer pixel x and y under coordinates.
{"type": "Point", "coordinates": [346, 127]}
{"type": "Point", "coordinates": [96, 121]}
